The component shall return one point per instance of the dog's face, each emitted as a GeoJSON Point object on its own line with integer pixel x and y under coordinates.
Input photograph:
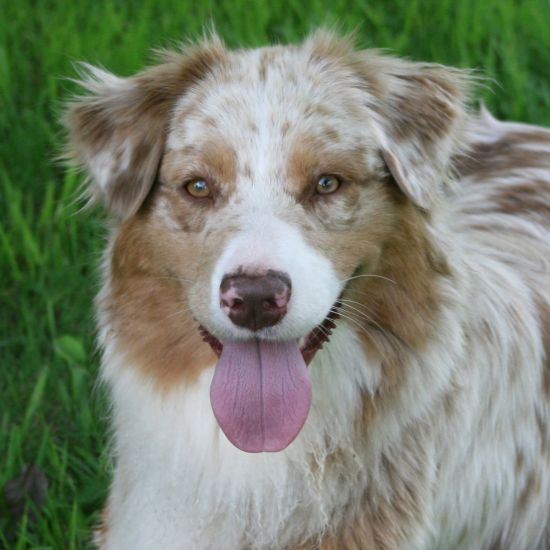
{"type": "Point", "coordinates": [261, 184]}
{"type": "Point", "coordinates": [265, 171]}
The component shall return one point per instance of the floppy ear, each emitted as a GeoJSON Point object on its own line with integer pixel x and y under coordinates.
{"type": "Point", "coordinates": [419, 113]}
{"type": "Point", "coordinates": [118, 132]}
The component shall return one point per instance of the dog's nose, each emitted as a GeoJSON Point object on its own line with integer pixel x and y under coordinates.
{"type": "Point", "coordinates": [255, 302]}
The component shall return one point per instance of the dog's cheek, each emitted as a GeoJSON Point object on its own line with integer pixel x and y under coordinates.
{"type": "Point", "coordinates": [351, 232]}
{"type": "Point", "coordinates": [188, 258]}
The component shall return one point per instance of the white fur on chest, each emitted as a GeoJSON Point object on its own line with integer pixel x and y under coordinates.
{"type": "Point", "coordinates": [180, 484]}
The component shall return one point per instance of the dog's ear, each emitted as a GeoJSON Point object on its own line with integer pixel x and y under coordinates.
{"type": "Point", "coordinates": [419, 113]}
{"type": "Point", "coordinates": [118, 131]}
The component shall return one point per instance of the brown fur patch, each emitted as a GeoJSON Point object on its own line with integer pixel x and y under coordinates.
{"type": "Point", "coordinates": [247, 171]}
{"type": "Point", "coordinates": [524, 198]}
{"type": "Point", "coordinates": [530, 490]}
{"type": "Point", "coordinates": [498, 544]}
{"type": "Point", "coordinates": [423, 113]}
{"type": "Point", "coordinates": [544, 434]}
{"type": "Point", "coordinates": [151, 318]}
{"type": "Point", "coordinates": [285, 128]}
{"type": "Point", "coordinates": [312, 156]}
{"type": "Point", "coordinates": [530, 136]}
{"type": "Point", "coordinates": [327, 45]}
{"type": "Point", "coordinates": [330, 133]}
{"type": "Point", "coordinates": [544, 313]}
{"type": "Point", "coordinates": [220, 157]}
{"type": "Point", "coordinates": [215, 161]}
{"type": "Point", "coordinates": [102, 528]}
{"type": "Point", "coordinates": [527, 195]}
{"type": "Point", "coordinates": [520, 462]}
{"type": "Point", "coordinates": [498, 159]}
{"type": "Point", "coordinates": [266, 60]}
{"type": "Point", "coordinates": [404, 302]}
{"type": "Point", "coordinates": [318, 111]}
{"type": "Point", "coordinates": [419, 102]}
{"type": "Point", "coordinates": [395, 310]}
{"type": "Point", "coordinates": [210, 122]}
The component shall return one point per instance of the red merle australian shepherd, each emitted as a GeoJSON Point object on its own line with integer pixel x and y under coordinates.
{"type": "Point", "coordinates": [324, 312]}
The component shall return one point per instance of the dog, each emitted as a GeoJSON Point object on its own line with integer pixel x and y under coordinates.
{"type": "Point", "coordinates": [325, 303]}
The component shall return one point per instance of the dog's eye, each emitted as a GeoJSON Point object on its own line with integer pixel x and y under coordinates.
{"type": "Point", "coordinates": [327, 185]}
{"type": "Point", "coordinates": [198, 188]}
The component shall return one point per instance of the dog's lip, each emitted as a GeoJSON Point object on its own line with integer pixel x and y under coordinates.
{"type": "Point", "coordinates": [312, 342]}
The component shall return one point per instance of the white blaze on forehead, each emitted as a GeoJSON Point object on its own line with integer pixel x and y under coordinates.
{"type": "Point", "coordinates": [246, 115]}
{"type": "Point", "coordinates": [253, 100]}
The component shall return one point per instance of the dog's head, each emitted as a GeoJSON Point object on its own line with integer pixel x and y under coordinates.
{"type": "Point", "coordinates": [252, 188]}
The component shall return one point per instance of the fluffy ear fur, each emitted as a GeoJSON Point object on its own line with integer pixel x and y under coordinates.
{"type": "Point", "coordinates": [418, 111]}
{"type": "Point", "coordinates": [419, 115]}
{"type": "Point", "coordinates": [118, 131]}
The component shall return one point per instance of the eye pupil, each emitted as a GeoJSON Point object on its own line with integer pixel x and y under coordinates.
{"type": "Point", "coordinates": [327, 184]}
{"type": "Point", "coordinates": [198, 189]}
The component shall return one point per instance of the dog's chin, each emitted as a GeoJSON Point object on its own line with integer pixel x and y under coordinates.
{"type": "Point", "coordinates": [261, 389]}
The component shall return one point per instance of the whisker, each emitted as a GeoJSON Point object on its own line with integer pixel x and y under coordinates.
{"type": "Point", "coordinates": [366, 307]}
{"type": "Point", "coordinates": [387, 336]}
{"type": "Point", "coordinates": [178, 312]}
{"type": "Point", "coordinates": [364, 316]}
{"type": "Point", "coordinates": [344, 281]}
{"type": "Point", "coordinates": [179, 279]}
{"type": "Point", "coordinates": [355, 291]}
{"type": "Point", "coordinates": [361, 309]}
{"type": "Point", "coordinates": [348, 301]}
{"type": "Point", "coordinates": [391, 338]}
{"type": "Point", "coordinates": [352, 320]}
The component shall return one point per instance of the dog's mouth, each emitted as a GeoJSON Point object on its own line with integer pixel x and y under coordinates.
{"type": "Point", "coordinates": [261, 390]}
{"type": "Point", "coordinates": [312, 343]}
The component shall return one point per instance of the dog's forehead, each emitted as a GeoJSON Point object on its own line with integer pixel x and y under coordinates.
{"type": "Point", "coordinates": [261, 98]}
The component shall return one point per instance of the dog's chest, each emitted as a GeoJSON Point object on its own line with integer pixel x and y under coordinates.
{"type": "Point", "coordinates": [191, 488]}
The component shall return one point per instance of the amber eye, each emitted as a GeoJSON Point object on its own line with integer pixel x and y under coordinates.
{"type": "Point", "coordinates": [327, 184]}
{"type": "Point", "coordinates": [198, 188]}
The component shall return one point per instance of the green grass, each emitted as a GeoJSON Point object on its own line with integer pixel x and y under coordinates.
{"type": "Point", "coordinates": [50, 412]}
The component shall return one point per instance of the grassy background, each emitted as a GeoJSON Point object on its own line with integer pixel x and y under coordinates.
{"type": "Point", "coordinates": [50, 413]}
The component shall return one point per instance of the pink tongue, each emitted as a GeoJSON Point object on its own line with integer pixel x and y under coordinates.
{"type": "Point", "coordinates": [261, 394]}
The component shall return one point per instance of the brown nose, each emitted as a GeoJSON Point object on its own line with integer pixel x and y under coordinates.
{"type": "Point", "coordinates": [255, 302]}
